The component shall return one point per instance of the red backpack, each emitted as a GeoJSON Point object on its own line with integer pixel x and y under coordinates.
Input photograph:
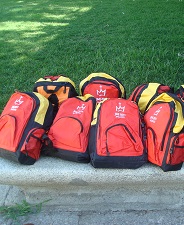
{"type": "Point", "coordinates": [56, 89]}
{"type": "Point", "coordinates": [144, 94]}
{"type": "Point", "coordinates": [23, 122]}
{"type": "Point", "coordinates": [69, 133]}
{"type": "Point", "coordinates": [101, 86]}
{"type": "Point", "coordinates": [165, 132]}
{"type": "Point", "coordinates": [117, 135]}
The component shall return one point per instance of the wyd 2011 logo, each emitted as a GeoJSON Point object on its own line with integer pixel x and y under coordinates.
{"type": "Point", "coordinates": [120, 111]}
{"type": "Point", "coordinates": [17, 103]}
{"type": "Point", "coordinates": [100, 94]}
{"type": "Point", "coordinates": [153, 118]}
{"type": "Point", "coordinates": [79, 109]}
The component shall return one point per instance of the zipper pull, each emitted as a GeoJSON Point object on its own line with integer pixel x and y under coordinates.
{"type": "Point", "coordinates": [177, 140]}
{"type": "Point", "coordinates": [171, 150]}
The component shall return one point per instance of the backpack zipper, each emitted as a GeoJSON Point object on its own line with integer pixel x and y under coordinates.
{"type": "Point", "coordinates": [167, 127]}
{"type": "Point", "coordinates": [120, 124]}
{"type": "Point", "coordinates": [81, 125]}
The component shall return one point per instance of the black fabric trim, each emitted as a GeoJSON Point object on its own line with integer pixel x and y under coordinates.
{"type": "Point", "coordinates": [25, 159]}
{"type": "Point", "coordinates": [17, 157]}
{"type": "Point", "coordinates": [68, 155]}
{"type": "Point", "coordinates": [50, 83]}
{"type": "Point", "coordinates": [136, 91]}
{"type": "Point", "coordinates": [167, 167]}
{"type": "Point", "coordinates": [119, 162]}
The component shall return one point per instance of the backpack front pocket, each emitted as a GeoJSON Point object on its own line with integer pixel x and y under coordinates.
{"type": "Point", "coordinates": [152, 145]}
{"type": "Point", "coordinates": [8, 138]}
{"type": "Point", "coordinates": [11, 129]}
{"type": "Point", "coordinates": [66, 133]}
{"type": "Point", "coordinates": [118, 140]}
{"type": "Point", "coordinates": [177, 150]}
{"type": "Point", "coordinates": [155, 143]}
{"type": "Point", "coordinates": [33, 143]}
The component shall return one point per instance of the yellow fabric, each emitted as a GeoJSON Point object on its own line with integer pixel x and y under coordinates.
{"type": "Point", "coordinates": [85, 97]}
{"type": "Point", "coordinates": [103, 75]}
{"type": "Point", "coordinates": [145, 96]}
{"type": "Point", "coordinates": [95, 114]}
{"type": "Point", "coordinates": [60, 79]}
{"type": "Point", "coordinates": [178, 109]}
{"type": "Point", "coordinates": [44, 104]}
{"type": "Point", "coordinates": [65, 79]}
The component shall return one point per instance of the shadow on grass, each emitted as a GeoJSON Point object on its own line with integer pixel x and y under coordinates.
{"type": "Point", "coordinates": [134, 41]}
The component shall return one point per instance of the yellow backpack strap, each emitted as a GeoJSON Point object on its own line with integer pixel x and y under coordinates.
{"type": "Point", "coordinates": [44, 105]}
{"type": "Point", "coordinates": [96, 112]}
{"type": "Point", "coordinates": [179, 109]}
{"type": "Point", "coordinates": [147, 96]}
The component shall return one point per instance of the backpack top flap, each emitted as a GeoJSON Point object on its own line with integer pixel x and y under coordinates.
{"type": "Point", "coordinates": [144, 94]}
{"type": "Point", "coordinates": [179, 109]}
{"type": "Point", "coordinates": [55, 88]}
{"type": "Point", "coordinates": [102, 85]}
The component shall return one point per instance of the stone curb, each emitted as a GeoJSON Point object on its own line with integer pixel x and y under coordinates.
{"type": "Point", "coordinates": [75, 186]}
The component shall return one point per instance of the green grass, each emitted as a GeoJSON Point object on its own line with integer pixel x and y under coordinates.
{"type": "Point", "coordinates": [19, 210]}
{"type": "Point", "coordinates": [136, 41]}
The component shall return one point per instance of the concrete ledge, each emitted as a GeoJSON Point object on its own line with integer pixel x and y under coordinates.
{"type": "Point", "coordinates": [75, 186]}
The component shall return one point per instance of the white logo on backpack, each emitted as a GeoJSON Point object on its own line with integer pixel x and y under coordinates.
{"type": "Point", "coordinates": [153, 118]}
{"type": "Point", "coordinates": [101, 93]}
{"type": "Point", "coordinates": [120, 111]}
{"type": "Point", "coordinates": [79, 109]}
{"type": "Point", "coordinates": [17, 103]}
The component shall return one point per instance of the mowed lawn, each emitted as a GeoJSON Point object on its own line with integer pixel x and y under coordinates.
{"type": "Point", "coordinates": [137, 41]}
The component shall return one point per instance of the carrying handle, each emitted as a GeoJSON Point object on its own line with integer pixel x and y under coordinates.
{"type": "Point", "coordinates": [53, 78]}
{"type": "Point", "coordinates": [51, 91]}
